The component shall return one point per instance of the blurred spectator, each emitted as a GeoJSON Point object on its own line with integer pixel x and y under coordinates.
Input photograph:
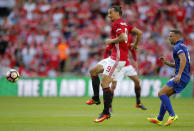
{"type": "Point", "coordinates": [3, 45]}
{"type": "Point", "coordinates": [189, 5]}
{"type": "Point", "coordinates": [39, 36]}
{"type": "Point", "coordinates": [63, 50]}
{"type": "Point", "coordinates": [84, 53]}
{"type": "Point", "coordinates": [166, 71]}
{"type": "Point", "coordinates": [28, 54]}
{"type": "Point", "coordinates": [5, 7]}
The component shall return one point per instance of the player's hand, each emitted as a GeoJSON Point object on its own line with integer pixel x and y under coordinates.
{"type": "Point", "coordinates": [162, 59]}
{"type": "Point", "coordinates": [133, 46]}
{"type": "Point", "coordinates": [108, 41]}
{"type": "Point", "coordinates": [177, 78]}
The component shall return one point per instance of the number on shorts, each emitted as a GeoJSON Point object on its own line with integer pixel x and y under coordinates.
{"type": "Point", "coordinates": [108, 68]}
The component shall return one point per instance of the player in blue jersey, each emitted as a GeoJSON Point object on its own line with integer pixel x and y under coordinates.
{"type": "Point", "coordinates": [178, 82]}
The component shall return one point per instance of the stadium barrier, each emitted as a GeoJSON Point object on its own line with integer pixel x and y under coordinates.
{"type": "Point", "coordinates": [81, 86]}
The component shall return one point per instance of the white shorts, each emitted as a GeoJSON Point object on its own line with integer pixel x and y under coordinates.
{"type": "Point", "coordinates": [125, 72]}
{"type": "Point", "coordinates": [103, 62]}
{"type": "Point", "coordinates": [113, 67]}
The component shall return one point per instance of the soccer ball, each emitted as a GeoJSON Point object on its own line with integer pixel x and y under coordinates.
{"type": "Point", "coordinates": [12, 75]}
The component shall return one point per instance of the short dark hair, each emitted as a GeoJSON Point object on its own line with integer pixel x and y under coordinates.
{"type": "Point", "coordinates": [176, 31]}
{"type": "Point", "coordinates": [117, 9]}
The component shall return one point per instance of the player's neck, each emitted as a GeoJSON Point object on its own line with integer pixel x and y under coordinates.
{"type": "Point", "coordinates": [177, 41]}
{"type": "Point", "coordinates": [117, 18]}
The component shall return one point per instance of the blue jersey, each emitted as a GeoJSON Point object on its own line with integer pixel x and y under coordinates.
{"type": "Point", "coordinates": [178, 49]}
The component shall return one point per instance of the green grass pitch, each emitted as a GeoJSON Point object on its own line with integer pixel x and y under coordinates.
{"type": "Point", "coordinates": [72, 114]}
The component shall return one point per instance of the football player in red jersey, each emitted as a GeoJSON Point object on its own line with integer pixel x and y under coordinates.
{"type": "Point", "coordinates": [127, 71]}
{"type": "Point", "coordinates": [119, 56]}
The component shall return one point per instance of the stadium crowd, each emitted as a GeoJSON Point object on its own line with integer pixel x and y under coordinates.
{"type": "Point", "coordinates": [57, 37]}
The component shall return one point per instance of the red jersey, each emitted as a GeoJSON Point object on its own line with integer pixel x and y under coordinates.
{"type": "Point", "coordinates": [107, 50]}
{"type": "Point", "coordinates": [120, 50]}
{"type": "Point", "coordinates": [109, 47]}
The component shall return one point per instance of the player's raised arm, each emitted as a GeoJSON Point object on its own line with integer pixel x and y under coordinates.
{"type": "Point", "coordinates": [138, 37]}
{"type": "Point", "coordinates": [122, 37]}
{"type": "Point", "coordinates": [167, 62]}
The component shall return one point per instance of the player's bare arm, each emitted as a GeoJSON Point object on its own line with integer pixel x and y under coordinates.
{"type": "Point", "coordinates": [182, 66]}
{"type": "Point", "coordinates": [134, 56]}
{"type": "Point", "coordinates": [138, 37]}
{"type": "Point", "coordinates": [167, 62]}
{"type": "Point", "coordinates": [118, 39]}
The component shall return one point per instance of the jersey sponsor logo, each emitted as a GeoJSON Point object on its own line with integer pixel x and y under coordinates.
{"type": "Point", "coordinates": [122, 23]}
{"type": "Point", "coordinates": [118, 29]}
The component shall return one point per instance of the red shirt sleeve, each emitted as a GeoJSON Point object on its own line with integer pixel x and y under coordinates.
{"type": "Point", "coordinates": [107, 50]}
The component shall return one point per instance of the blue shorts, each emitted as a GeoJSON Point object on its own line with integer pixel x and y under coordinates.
{"type": "Point", "coordinates": [178, 87]}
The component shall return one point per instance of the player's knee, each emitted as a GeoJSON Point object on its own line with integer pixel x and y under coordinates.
{"type": "Point", "coordinates": [92, 72]}
{"type": "Point", "coordinates": [137, 82]}
{"type": "Point", "coordinates": [113, 87]}
{"type": "Point", "coordinates": [160, 93]}
{"type": "Point", "coordinates": [104, 85]}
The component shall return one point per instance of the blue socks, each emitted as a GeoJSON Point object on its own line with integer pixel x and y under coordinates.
{"type": "Point", "coordinates": [162, 112]}
{"type": "Point", "coordinates": [166, 105]}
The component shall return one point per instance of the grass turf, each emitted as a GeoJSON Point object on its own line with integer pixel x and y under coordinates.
{"type": "Point", "coordinates": [62, 113]}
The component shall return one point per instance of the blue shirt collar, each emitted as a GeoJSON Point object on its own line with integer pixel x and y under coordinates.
{"type": "Point", "coordinates": [179, 42]}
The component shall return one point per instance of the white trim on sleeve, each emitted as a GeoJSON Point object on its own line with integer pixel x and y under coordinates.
{"type": "Point", "coordinates": [179, 51]}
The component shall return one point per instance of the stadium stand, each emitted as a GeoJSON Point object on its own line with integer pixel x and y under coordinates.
{"type": "Point", "coordinates": [53, 37]}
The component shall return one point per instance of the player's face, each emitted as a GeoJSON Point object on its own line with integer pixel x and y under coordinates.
{"type": "Point", "coordinates": [112, 14]}
{"type": "Point", "coordinates": [172, 38]}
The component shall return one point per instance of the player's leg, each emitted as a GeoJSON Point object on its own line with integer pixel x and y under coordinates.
{"type": "Point", "coordinates": [107, 77]}
{"type": "Point", "coordinates": [95, 83]}
{"type": "Point", "coordinates": [132, 74]}
{"type": "Point", "coordinates": [137, 92]}
{"type": "Point", "coordinates": [113, 86]}
{"type": "Point", "coordinates": [170, 88]}
{"type": "Point", "coordinates": [106, 80]}
{"type": "Point", "coordinates": [164, 95]}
